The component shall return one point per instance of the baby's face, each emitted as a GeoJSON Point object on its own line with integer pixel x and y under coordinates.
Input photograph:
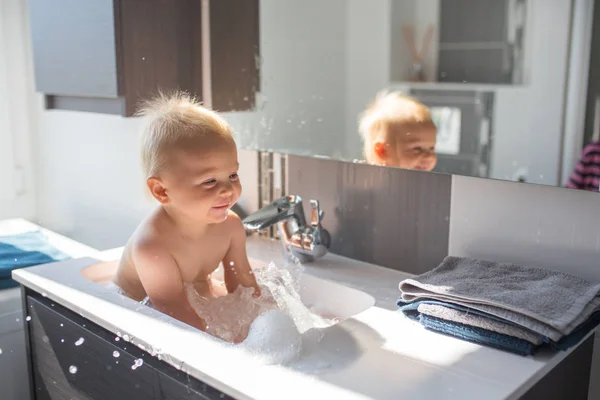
{"type": "Point", "coordinates": [203, 182]}
{"type": "Point", "coordinates": [414, 147]}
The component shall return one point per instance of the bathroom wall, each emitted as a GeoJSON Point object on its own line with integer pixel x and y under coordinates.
{"type": "Point", "coordinates": [16, 110]}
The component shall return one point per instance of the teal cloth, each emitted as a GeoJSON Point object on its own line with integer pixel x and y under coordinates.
{"type": "Point", "coordinates": [25, 250]}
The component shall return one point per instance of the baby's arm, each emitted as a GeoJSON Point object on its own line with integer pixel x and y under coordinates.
{"type": "Point", "coordinates": [162, 282]}
{"type": "Point", "coordinates": [235, 264]}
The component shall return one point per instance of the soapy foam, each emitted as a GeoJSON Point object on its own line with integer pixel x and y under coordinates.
{"type": "Point", "coordinates": [273, 338]}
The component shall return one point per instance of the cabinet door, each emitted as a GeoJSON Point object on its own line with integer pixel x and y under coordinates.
{"type": "Point", "coordinates": [235, 54]}
{"type": "Point", "coordinates": [74, 47]}
{"type": "Point", "coordinates": [73, 358]}
{"type": "Point", "coordinates": [162, 50]}
{"type": "Point", "coordinates": [161, 46]}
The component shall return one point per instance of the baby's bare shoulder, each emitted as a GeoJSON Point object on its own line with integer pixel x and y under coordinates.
{"type": "Point", "coordinates": [234, 224]}
{"type": "Point", "coordinates": [148, 239]}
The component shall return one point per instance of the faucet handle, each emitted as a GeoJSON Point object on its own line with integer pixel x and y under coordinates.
{"type": "Point", "coordinates": [317, 214]}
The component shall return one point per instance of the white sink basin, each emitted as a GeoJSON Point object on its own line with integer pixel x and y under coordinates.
{"type": "Point", "coordinates": [329, 299]}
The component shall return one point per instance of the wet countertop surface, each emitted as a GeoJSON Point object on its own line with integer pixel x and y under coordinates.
{"type": "Point", "coordinates": [377, 353]}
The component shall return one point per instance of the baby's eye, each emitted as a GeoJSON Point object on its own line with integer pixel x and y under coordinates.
{"type": "Point", "coordinates": [209, 182]}
{"type": "Point", "coordinates": [234, 177]}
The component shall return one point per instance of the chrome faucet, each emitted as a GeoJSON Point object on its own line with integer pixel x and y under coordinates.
{"type": "Point", "coordinates": [306, 242]}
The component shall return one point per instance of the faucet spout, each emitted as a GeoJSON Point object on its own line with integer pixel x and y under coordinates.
{"type": "Point", "coordinates": [305, 242]}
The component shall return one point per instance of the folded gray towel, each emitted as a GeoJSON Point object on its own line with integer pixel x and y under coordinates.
{"type": "Point", "coordinates": [465, 318]}
{"type": "Point", "coordinates": [546, 302]}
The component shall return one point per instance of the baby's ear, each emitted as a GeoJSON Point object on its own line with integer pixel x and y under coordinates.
{"type": "Point", "coordinates": [380, 150]}
{"type": "Point", "coordinates": [157, 190]}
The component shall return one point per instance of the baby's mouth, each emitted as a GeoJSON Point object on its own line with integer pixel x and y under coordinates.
{"type": "Point", "coordinates": [222, 206]}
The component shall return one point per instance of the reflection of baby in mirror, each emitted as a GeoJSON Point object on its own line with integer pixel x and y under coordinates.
{"type": "Point", "coordinates": [190, 163]}
{"type": "Point", "coordinates": [398, 131]}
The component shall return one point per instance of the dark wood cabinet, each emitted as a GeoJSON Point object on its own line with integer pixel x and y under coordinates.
{"type": "Point", "coordinates": [107, 55]}
{"type": "Point", "coordinates": [72, 358]}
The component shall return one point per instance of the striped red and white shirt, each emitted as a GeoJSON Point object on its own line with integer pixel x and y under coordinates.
{"type": "Point", "coordinates": [587, 172]}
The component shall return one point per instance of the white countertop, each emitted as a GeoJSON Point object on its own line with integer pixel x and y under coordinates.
{"type": "Point", "coordinates": [378, 354]}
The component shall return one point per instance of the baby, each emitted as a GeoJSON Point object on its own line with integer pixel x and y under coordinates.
{"type": "Point", "coordinates": [398, 131]}
{"type": "Point", "coordinates": [189, 160]}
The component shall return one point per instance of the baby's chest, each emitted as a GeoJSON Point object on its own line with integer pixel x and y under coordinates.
{"type": "Point", "coordinates": [200, 260]}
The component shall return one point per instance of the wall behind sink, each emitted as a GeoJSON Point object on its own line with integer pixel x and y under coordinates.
{"type": "Point", "coordinates": [386, 216]}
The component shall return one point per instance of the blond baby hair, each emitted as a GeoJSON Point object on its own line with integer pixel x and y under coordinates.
{"type": "Point", "coordinates": [175, 120]}
{"type": "Point", "coordinates": [389, 108]}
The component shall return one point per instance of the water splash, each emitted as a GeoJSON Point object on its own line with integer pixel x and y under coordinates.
{"type": "Point", "coordinates": [270, 327]}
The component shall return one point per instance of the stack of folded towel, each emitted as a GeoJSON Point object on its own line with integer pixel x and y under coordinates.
{"type": "Point", "coordinates": [506, 306]}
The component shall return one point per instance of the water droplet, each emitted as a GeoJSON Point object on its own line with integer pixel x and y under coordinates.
{"type": "Point", "coordinates": [141, 346]}
{"type": "Point", "coordinates": [232, 263]}
{"type": "Point", "coordinates": [79, 341]}
{"type": "Point", "coordinates": [45, 339]}
{"type": "Point", "coordinates": [222, 396]}
{"type": "Point", "coordinates": [138, 363]}
{"type": "Point", "coordinates": [62, 340]}
{"type": "Point", "coordinates": [126, 337]}
{"type": "Point", "coordinates": [28, 318]}
{"type": "Point", "coordinates": [61, 325]}
{"type": "Point", "coordinates": [0, 351]}
{"type": "Point", "coordinates": [73, 369]}
{"type": "Point", "coordinates": [18, 319]}
{"type": "Point", "coordinates": [116, 354]}
{"type": "Point", "coordinates": [44, 294]}
{"type": "Point", "coordinates": [117, 339]}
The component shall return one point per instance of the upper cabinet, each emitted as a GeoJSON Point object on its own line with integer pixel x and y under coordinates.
{"type": "Point", "coordinates": [107, 55]}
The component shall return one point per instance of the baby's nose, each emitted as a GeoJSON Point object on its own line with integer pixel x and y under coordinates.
{"type": "Point", "coordinates": [226, 189]}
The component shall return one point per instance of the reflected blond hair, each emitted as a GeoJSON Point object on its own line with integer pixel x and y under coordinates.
{"type": "Point", "coordinates": [389, 108]}
{"type": "Point", "coordinates": [175, 121]}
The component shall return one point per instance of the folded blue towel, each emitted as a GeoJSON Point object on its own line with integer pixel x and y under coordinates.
{"type": "Point", "coordinates": [478, 335]}
{"type": "Point", "coordinates": [25, 250]}
{"type": "Point", "coordinates": [410, 309]}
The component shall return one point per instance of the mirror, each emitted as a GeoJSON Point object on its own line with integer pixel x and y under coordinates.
{"type": "Point", "coordinates": [504, 81]}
